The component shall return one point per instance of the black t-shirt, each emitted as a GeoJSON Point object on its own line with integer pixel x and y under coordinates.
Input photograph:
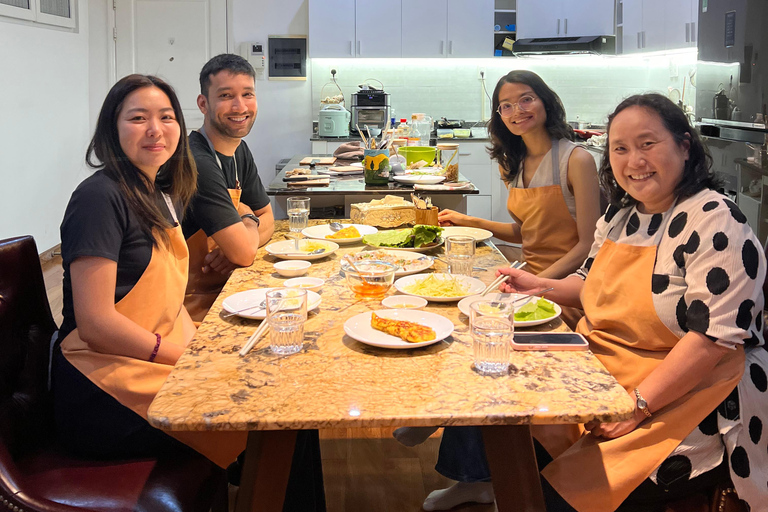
{"type": "Point", "coordinates": [211, 208]}
{"type": "Point", "coordinates": [99, 222]}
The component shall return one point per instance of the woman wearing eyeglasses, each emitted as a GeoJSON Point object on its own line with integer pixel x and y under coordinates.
{"type": "Point", "coordinates": [554, 195]}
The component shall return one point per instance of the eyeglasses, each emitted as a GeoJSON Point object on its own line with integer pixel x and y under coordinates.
{"type": "Point", "coordinates": [524, 104]}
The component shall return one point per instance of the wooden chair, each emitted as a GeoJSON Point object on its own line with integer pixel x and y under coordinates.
{"type": "Point", "coordinates": [35, 475]}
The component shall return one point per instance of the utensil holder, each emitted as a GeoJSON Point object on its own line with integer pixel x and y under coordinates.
{"type": "Point", "coordinates": [427, 217]}
{"type": "Point", "coordinates": [376, 166]}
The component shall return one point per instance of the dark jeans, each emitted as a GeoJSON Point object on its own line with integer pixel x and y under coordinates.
{"type": "Point", "coordinates": [462, 458]}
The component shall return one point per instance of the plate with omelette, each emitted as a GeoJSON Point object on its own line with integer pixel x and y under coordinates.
{"type": "Point", "coordinates": [398, 328]}
{"type": "Point", "coordinates": [349, 234]}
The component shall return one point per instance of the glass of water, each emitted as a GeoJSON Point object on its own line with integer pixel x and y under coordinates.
{"type": "Point", "coordinates": [460, 251]}
{"type": "Point", "coordinates": [298, 216]}
{"type": "Point", "coordinates": [286, 314]}
{"type": "Point", "coordinates": [492, 328]}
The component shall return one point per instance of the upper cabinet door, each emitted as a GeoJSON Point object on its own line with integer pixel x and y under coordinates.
{"type": "Point", "coordinates": [539, 18]}
{"type": "Point", "coordinates": [332, 28]}
{"type": "Point", "coordinates": [653, 37]}
{"type": "Point", "coordinates": [632, 21]}
{"type": "Point", "coordinates": [680, 23]}
{"type": "Point", "coordinates": [421, 38]}
{"type": "Point", "coordinates": [591, 18]}
{"type": "Point", "coordinates": [470, 28]}
{"type": "Point", "coordinates": [378, 28]}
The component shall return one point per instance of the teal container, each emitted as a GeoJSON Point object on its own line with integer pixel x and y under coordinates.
{"type": "Point", "coordinates": [376, 166]}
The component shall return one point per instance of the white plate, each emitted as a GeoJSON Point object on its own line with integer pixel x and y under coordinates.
{"type": "Point", "coordinates": [408, 263]}
{"type": "Point", "coordinates": [436, 243]}
{"type": "Point", "coordinates": [420, 179]}
{"type": "Point", "coordinates": [286, 249]}
{"type": "Point", "coordinates": [465, 303]}
{"type": "Point", "coordinates": [241, 300]}
{"type": "Point", "coordinates": [478, 234]}
{"type": "Point", "coordinates": [475, 286]}
{"type": "Point", "coordinates": [359, 328]}
{"type": "Point", "coordinates": [320, 231]}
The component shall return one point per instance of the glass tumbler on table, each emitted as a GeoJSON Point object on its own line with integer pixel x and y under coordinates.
{"type": "Point", "coordinates": [492, 329]}
{"type": "Point", "coordinates": [460, 252]}
{"type": "Point", "coordinates": [286, 314]}
{"type": "Point", "coordinates": [298, 216]}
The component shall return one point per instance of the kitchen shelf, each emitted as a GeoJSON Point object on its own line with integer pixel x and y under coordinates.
{"type": "Point", "coordinates": [504, 32]}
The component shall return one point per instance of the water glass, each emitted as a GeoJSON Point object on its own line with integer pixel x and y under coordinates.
{"type": "Point", "coordinates": [492, 328]}
{"type": "Point", "coordinates": [298, 216]}
{"type": "Point", "coordinates": [286, 314]}
{"type": "Point", "coordinates": [460, 252]}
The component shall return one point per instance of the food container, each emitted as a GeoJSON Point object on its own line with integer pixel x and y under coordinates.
{"type": "Point", "coordinates": [292, 268]}
{"type": "Point", "coordinates": [427, 216]}
{"type": "Point", "coordinates": [376, 166]}
{"type": "Point", "coordinates": [404, 302]}
{"type": "Point", "coordinates": [449, 160]}
{"type": "Point", "coordinates": [413, 154]}
{"type": "Point", "coordinates": [462, 133]}
{"type": "Point", "coordinates": [371, 279]}
{"type": "Point", "coordinates": [305, 283]}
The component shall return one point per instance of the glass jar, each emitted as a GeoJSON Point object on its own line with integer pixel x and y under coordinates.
{"type": "Point", "coordinates": [376, 166]}
{"type": "Point", "coordinates": [449, 161]}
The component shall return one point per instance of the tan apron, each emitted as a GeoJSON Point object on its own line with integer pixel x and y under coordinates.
{"type": "Point", "coordinates": [202, 289]}
{"type": "Point", "coordinates": [155, 304]}
{"type": "Point", "coordinates": [626, 334]}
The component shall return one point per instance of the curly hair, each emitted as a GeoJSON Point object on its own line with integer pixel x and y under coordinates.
{"type": "Point", "coordinates": [509, 149]}
{"type": "Point", "coordinates": [697, 173]}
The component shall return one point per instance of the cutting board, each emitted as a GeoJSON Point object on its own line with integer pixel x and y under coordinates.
{"type": "Point", "coordinates": [341, 169]}
{"type": "Point", "coordinates": [320, 182]}
{"type": "Point", "coordinates": [319, 160]}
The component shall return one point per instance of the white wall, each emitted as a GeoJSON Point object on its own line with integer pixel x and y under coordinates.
{"type": "Point", "coordinates": [284, 123]}
{"type": "Point", "coordinates": [44, 130]}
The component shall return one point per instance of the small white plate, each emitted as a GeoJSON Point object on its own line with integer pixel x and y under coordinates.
{"type": "Point", "coordinates": [305, 283]}
{"type": "Point", "coordinates": [286, 249]}
{"type": "Point", "coordinates": [320, 231]}
{"type": "Point", "coordinates": [404, 302]}
{"type": "Point", "coordinates": [253, 298]}
{"type": "Point", "coordinates": [407, 262]}
{"type": "Point", "coordinates": [420, 179]}
{"type": "Point", "coordinates": [292, 268]}
{"type": "Point", "coordinates": [474, 286]}
{"type": "Point", "coordinates": [359, 328]}
{"type": "Point", "coordinates": [465, 303]}
{"type": "Point", "coordinates": [478, 234]}
{"type": "Point", "coordinates": [423, 248]}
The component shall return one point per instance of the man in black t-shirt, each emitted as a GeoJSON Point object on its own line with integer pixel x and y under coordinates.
{"type": "Point", "coordinates": [230, 216]}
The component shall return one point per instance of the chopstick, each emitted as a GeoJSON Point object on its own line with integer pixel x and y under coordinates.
{"type": "Point", "coordinates": [496, 282]}
{"type": "Point", "coordinates": [255, 337]}
{"type": "Point", "coordinates": [365, 142]}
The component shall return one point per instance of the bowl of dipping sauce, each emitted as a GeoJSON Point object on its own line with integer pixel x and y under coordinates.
{"type": "Point", "coordinates": [404, 302]}
{"type": "Point", "coordinates": [292, 268]}
{"type": "Point", "coordinates": [306, 283]}
{"type": "Point", "coordinates": [371, 279]}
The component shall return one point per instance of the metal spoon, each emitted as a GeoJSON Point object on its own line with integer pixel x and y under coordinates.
{"type": "Point", "coordinates": [316, 251]}
{"type": "Point", "coordinates": [335, 226]}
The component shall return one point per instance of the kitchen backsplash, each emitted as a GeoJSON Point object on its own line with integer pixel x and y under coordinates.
{"type": "Point", "coordinates": [590, 85]}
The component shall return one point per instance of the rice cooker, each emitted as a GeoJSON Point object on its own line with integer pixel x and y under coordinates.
{"type": "Point", "coordinates": [333, 121]}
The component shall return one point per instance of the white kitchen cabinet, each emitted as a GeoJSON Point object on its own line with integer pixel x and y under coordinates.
{"type": "Point", "coordinates": [680, 23]}
{"type": "Point", "coordinates": [331, 28]}
{"type": "Point", "coordinates": [651, 25]}
{"type": "Point", "coordinates": [560, 18]}
{"type": "Point", "coordinates": [632, 25]}
{"type": "Point", "coordinates": [456, 28]}
{"type": "Point", "coordinates": [419, 41]}
{"type": "Point", "coordinates": [652, 37]}
{"type": "Point", "coordinates": [377, 29]}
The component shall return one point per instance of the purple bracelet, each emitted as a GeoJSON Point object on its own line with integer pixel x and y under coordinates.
{"type": "Point", "coordinates": [157, 347]}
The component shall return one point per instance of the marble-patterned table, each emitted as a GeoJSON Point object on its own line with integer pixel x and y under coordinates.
{"type": "Point", "coordinates": [337, 382]}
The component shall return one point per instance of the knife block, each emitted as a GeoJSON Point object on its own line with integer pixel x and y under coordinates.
{"type": "Point", "coordinates": [428, 216]}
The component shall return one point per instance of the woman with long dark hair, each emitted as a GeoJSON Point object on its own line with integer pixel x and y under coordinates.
{"type": "Point", "coordinates": [553, 192]}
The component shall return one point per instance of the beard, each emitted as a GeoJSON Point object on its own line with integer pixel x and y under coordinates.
{"type": "Point", "coordinates": [233, 133]}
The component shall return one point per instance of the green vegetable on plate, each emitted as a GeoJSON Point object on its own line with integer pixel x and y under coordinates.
{"type": "Point", "coordinates": [535, 311]}
{"type": "Point", "coordinates": [418, 236]}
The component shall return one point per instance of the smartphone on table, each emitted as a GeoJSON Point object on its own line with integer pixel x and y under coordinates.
{"type": "Point", "coordinates": [549, 341]}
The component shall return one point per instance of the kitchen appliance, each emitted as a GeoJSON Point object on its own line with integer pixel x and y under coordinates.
{"type": "Point", "coordinates": [738, 131]}
{"type": "Point", "coordinates": [720, 105]}
{"type": "Point", "coordinates": [370, 106]}
{"type": "Point", "coordinates": [333, 121]}
{"type": "Point", "coordinates": [548, 45]}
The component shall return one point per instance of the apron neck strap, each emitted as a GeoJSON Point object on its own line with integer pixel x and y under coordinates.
{"type": "Point", "coordinates": [171, 208]}
{"type": "Point", "coordinates": [216, 156]}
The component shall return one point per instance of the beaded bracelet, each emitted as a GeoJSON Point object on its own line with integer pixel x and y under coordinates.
{"type": "Point", "coordinates": [157, 347]}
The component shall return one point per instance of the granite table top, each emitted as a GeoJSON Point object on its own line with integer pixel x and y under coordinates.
{"type": "Point", "coordinates": [337, 382]}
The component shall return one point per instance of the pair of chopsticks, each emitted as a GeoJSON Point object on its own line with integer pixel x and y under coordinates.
{"type": "Point", "coordinates": [261, 331]}
{"type": "Point", "coordinates": [496, 282]}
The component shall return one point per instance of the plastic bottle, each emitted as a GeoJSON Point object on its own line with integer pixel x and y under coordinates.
{"type": "Point", "coordinates": [403, 130]}
{"type": "Point", "coordinates": [414, 137]}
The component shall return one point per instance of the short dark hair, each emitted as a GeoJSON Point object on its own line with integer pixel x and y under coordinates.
{"type": "Point", "coordinates": [235, 64]}
{"type": "Point", "coordinates": [177, 177]}
{"type": "Point", "coordinates": [697, 173]}
{"type": "Point", "coordinates": [507, 148]}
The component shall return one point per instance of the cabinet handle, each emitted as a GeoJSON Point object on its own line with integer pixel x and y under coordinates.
{"type": "Point", "coordinates": [643, 38]}
{"type": "Point", "coordinates": [359, 48]}
{"type": "Point", "coordinates": [450, 47]}
{"type": "Point", "coordinates": [638, 40]}
{"type": "Point", "coordinates": [566, 26]}
{"type": "Point", "coordinates": [693, 31]}
{"type": "Point", "coordinates": [464, 154]}
{"type": "Point", "coordinates": [687, 32]}
{"type": "Point", "coordinates": [350, 48]}
{"type": "Point", "coordinates": [442, 47]}
{"type": "Point", "coordinates": [558, 26]}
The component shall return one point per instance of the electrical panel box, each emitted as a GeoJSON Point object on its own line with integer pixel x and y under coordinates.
{"type": "Point", "coordinates": [287, 57]}
{"type": "Point", "coordinates": [253, 52]}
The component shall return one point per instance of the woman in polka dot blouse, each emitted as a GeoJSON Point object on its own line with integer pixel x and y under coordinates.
{"type": "Point", "coordinates": [672, 294]}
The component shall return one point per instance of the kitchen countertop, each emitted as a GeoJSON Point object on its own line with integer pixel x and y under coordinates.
{"type": "Point", "coordinates": [349, 185]}
{"type": "Point", "coordinates": [432, 141]}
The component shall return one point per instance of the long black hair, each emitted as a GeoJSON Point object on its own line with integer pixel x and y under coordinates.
{"type": "Point", "coordinates": [697, 173]}
{"type": "Point", "coordinates": [509, 149]}
{"type": "Point", "coordinates": [177, 177]}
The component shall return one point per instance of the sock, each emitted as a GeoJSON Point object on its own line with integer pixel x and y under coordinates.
{"type": "Point", "coordinates": [458, 493]}
{"type": "Point", "coordinates": [411, 436]}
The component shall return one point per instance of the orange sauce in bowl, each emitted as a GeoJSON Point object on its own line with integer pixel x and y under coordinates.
{"type": "Point", "coordinates": [366, 289]}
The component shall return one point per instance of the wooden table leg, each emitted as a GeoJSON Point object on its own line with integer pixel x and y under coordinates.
{"type": "Point", "coordinates": [266, 470]}
{"type": "Point", "coordinates": [514, 473]}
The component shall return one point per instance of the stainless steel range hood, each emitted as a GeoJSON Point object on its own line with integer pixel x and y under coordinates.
{"type": "Point", "coordinates": [565, 45]}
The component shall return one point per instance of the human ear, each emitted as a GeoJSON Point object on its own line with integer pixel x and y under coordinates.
{"type": "Point", "coordinates": [202, 103]}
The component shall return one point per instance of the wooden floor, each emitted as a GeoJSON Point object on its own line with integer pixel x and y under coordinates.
{"type": "Point", "coordinates": [365, 470]}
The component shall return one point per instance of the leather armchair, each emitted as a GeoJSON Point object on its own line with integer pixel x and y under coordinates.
{"type": "Point", "coordinates": [35, 475]}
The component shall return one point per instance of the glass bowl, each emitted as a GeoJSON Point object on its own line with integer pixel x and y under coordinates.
{"type": "Point", "coordinates": [374, 279]}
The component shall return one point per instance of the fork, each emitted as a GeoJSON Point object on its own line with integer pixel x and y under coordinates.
{"type": "Point", "coordinates": [258, 307]}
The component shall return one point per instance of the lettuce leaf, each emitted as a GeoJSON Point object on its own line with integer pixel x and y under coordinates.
{"type": "Point", "coordinates": [423, 234]}
{"type": "Point", "coordinates": [535, 311]}
{"type": "Point", "coordinates": [391, 238]}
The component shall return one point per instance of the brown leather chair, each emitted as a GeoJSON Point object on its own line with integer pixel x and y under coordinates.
{"type": "Point", "coordinates": [35, 475]}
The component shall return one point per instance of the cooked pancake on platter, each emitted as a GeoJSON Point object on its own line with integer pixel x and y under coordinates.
{"type": "Point", "coordinates": [407, 331]}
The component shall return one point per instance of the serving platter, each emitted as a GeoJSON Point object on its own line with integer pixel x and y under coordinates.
{"type": "Point", "coordinates": [480, 235]}
{"type": "Point", "coordinates": [359, 328]}
{"type": "Point", "coordinates": [473, 286]}
{"type": "Point", "coordinates": [422, 179]}
{"type": "Point", "coordinates": [253, 298]}
{"type": "Point", "coordinates": [286, 249]}
{"type": "Point", "coordinates": [407, 262]}
{"type": "Point", "coordinates": [320, 231]}
{"type": "Point", "coordinates": [437, 243]}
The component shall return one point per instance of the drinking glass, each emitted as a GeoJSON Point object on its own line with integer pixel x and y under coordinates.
{"type": "Point", "coordinates": [492, 328]}
{"type": "Point", "coordinates": [298, 215]}
{"type": "Point", "coordinates": [286, 314]}
{"type": "Point", "coordinates": [460, 251]}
